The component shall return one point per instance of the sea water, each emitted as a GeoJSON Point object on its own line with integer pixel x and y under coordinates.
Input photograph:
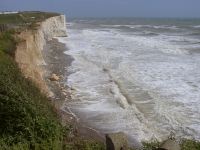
{"type": "Point", "coordinates": [138, 76]}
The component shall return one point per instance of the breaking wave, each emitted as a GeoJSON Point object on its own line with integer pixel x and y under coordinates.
{"type": "Point", "coordinates": [145, 85]}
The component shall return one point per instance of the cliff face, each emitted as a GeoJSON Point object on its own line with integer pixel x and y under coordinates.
{"type": "Point", "coordinates": [28, 54]}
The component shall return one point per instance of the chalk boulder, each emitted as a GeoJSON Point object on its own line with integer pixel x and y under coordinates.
{"type": "Point", "coordinates": [54, 77]}
{"type": "Point", "coordinates": [170, 145]}
{"type": "Point", "coordinates": [116, 141]}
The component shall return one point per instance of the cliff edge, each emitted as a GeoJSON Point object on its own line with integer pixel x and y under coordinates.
{"type": "Point", "coordinates": [28, 54]}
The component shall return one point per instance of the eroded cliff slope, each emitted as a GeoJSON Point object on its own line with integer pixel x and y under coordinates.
{"type": "Point", "coordinates": [28, 54]}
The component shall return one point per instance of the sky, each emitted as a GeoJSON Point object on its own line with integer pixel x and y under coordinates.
{"type": "Point", "coordinates": [109, 8]}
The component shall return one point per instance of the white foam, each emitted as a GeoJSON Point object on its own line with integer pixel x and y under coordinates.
{"type": "Point", "coordinates": [197, 26]}
{"type": "Point", "coordinates": [143, 86]}
{"type": "Point", "coordinates": [142, 26]}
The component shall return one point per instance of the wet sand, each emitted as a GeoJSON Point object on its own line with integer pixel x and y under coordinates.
{"type": "Point", "coordinates": [58, 63]}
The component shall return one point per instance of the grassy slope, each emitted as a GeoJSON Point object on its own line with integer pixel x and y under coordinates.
{"type": "Point", "coordinates": [27, 119]}
{"type": "Point", "coordinates": [26, 116]}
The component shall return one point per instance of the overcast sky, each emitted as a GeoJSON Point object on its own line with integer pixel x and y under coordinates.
{"type": "Point", "coordinates": [109, 8]}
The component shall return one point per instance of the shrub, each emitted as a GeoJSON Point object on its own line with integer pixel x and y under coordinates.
{"type": "Point", "coordinates": [190, 145]}
{"type": "Point", "coordinates": [26, 116]}
{"type": "Point", "coordinates": [7, 42]}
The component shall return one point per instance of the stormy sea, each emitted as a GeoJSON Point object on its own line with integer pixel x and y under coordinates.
{"type": "Point", "coordinates": [138, 76]}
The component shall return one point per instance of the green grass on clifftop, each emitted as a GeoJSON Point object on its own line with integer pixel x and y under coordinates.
{"type": "Point", "coordinates": [25, 17]}
{"type": "Point", "coordinates": [23, 20]}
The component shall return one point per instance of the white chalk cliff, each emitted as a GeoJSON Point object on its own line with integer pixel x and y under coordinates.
{"type": "Point", "coordinates": [28, 54]}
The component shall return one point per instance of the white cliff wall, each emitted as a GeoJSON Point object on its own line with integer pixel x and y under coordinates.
{"type": "Point", "coordinates": [28, 54]}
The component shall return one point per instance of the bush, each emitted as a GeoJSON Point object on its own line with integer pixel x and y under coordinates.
{"type": "Point", "coordinates": [84, 145]}
{"type": "Point", "coordinates": [190, 145]}
{"type": "Point", "coordinates": [26, 116]}
{"type": "Point", "coordinates": [151, 145]}
{"type": "Point", "coordinates": [8, 42]}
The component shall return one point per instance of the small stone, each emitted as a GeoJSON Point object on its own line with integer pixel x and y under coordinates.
{"type": "Point", "coordinates": [105, 69]}
{"type": "Point", "coordinates": [110, 80]}
{"type": "Point", "coordinates": [64, 93]}
{"type": "Point", "coordinates": [57, 83]}
{"type": "Point", "coordinates": [54, 77]}
{"type": "Point", "coordinates": [62, 77]}
{"type": "Point", "coordinates": [116, 141]}
{"type": "Point", "coordinates": [50, 94]}
{"type": "Point", "coordinates": [170, 145]}
{"type": "Point", "coordinates": [72, 89]}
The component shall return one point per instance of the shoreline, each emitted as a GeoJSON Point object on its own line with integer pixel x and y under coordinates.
{"type": "Point", "coordinates": [57, 63]}
{"type": "Point", "coordinates": [51, 108]}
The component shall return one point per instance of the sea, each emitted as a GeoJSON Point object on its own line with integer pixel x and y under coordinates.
{"type": "Point", "coordinates": [140, 76]}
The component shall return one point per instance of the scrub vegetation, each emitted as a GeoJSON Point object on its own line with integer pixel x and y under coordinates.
{"type": "Point", "coordinates": [185, 144]}
{"type": "Point", "coordinates": [27, 118]}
